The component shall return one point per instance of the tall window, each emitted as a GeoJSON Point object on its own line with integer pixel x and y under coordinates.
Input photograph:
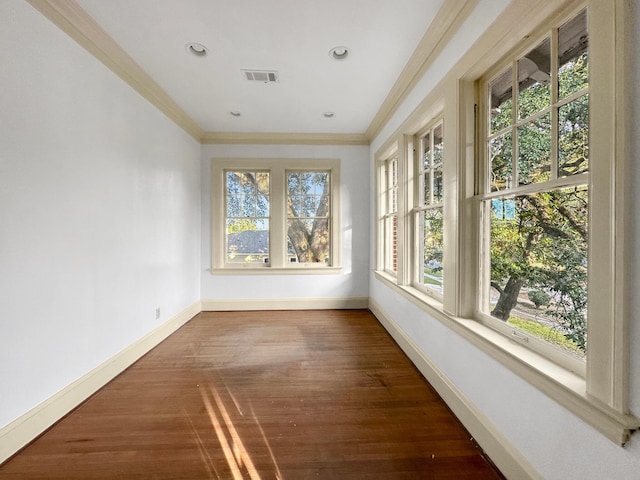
{"type": "Point", "coordinates": [275, 214]}
{"type": "Point", "coordinates": [429, 211]}
{"type": "Point", "coordinates": [389, 214]}
{"type": "Point", "coordinates": [247, 217]}
{"type": "Point", "coordinates": [535, 194]}
{"type": "Point", "coordinates": [309, 216]}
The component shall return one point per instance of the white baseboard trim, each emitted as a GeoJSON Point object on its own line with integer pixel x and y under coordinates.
{"type": "Point", "coordinates": [29, 426]}
{"type": "Point", "coordinates": [506, 457]}
{"type": "Point", "coordinates": [350, 303]}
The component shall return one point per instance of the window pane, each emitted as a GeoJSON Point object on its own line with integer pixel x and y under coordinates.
{"type": "Point", "coordinates": [538, 246]}
{"type": "Point", "coordinates": [501, 101]}
{"type": "Point", "coordinates": [426, 151]}
{"type": "Point", "coordinates": [432, 248]}
{"type": "Point", "coordinates": [427, 188]}
{"type": "Point", "coordinates": [438, 145]}
{"type": "Point", "coordinates": [501, 156]}
{"type": "Point", "coordinates": [534, 150]}
{"type": "Point", "coordinates": [437, 185]}
{"type": "Point", "coordinates": [247, 217]}
{"type": "Point", "coordinates": [394, 243]}
{"type": "Point", "coordinates": [573, 137]}
{"type": "Point", "coordinates": [247, 241]}
{"type": "Point", "coordinates": [248, 206]}
{"type": "Point", "coordinates": [534, 73]}
{"type": "Point", "coordinates": [573, 56]}
{"type": "Point", "coordinates": [308, 221]}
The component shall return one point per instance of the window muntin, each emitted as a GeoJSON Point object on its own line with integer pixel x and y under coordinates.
{"type": "Point", "coordinates": [309, 216]}
{"type": "Point", "coordinates": [428, 212]}
{"type": "Point", "coordinates": [535, 208]}
{"type": "Point", "coordinates": [247, 208]}
{"type": "Point", "coordinates": [251, 216]}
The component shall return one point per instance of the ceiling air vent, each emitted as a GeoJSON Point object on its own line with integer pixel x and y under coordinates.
{"type": "Point", "coordinates": [264, 76]}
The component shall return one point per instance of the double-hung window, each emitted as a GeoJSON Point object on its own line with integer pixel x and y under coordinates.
{"type": "Point", "coordinates": [550, 200]}
{"type": "Point", "coordinates": [388, 214]}
{"type": "Point", "coordinates": [275, 215]}
{"type": "Point", "coordinates": [534, 193]}
{"type": "Point", "coordinates": [427, 248]}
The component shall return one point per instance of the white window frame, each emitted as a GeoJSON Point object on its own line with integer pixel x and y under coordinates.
{"type": "Point", "coordinates": [420, 207]}
{"type": "Point", "coordinates": [388, 210]}
{"type": "Point", "coordinates": [600, 381]}
{"type": "Point", "coordinates": [278, 169]}
{"type": "Point", "coordinates": [484, 192]}
{"type": "Point", "coordinates": [599, 393]}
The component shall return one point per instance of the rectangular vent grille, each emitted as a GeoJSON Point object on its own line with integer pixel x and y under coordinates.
{"type": "Point", "coordinates": [264, 76]}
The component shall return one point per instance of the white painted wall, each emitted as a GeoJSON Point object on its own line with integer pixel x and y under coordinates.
{"type": "Point", "coordinates": [555, 442]}
{"type": "Point", "coordinates": [354, 201]}
{"type": "Point", "coordinates": [99, 212]}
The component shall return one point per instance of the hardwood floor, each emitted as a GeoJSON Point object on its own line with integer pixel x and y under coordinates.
{"type": "Point", "coordinates": [262, 395]}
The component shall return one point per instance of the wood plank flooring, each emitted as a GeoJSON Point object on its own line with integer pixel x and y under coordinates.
{"type": "Point", "coordinates": [284, 395]}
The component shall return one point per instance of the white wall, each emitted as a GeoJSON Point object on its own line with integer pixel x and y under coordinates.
{"type": "Point", "coordinates": [555, 442]}
{"type": "Point", "coordinates": [99, 212]}
{"type": "Point", "coordinates": [352, 282]}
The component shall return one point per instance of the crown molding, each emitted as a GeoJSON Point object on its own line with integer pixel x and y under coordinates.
{"type": "Point", "coordinates": [80, 26]}
{"type": "Point", "coordinates": [232, 138]}
{"type": "Point", "coordinates": [442, 29]}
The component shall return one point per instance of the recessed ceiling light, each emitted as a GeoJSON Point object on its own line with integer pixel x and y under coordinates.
{"type": "Point", "coordinates": [339, 53]}
{"type": "Point", "coordinates": [329, 114]}
{"type": "Point", "coordinates": [235, 113]}
{"type": "Point", "coordinates": [196, 49]}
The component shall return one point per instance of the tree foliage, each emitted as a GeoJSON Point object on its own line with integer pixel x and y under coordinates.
{"type": "Point", "coordinates": [308, 204]}
{"type": "Point", "coordinates": [539, 240]}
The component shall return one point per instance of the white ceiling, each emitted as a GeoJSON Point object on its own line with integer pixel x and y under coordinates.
{"type": "Point", "coordinates": [291, 36]}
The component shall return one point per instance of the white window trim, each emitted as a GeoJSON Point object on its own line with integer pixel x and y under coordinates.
{"type": "Point", "coordinates": [278, 169]}
{"type": "Point", "coordinates": [600, 396]}
{"type": "Point", "coordinates": [383, 239]}
{"type": "Point", "coordinates": [416, 188]}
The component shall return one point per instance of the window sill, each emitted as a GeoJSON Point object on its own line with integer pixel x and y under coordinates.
{"type": "Point", "coordinates": [560, 384]}
{"type": "Point", "coordinates": [297, 270]}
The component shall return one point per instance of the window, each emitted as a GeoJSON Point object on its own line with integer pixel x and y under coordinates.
{"type": "Point", "coordinates": [272, 215]}
{"type": "Point", "coordinates": [428, 212]}
{"type": "Point", "coordinates": [247, 216]}
{"type": "Point", "coordinates": [535, 194]}
{"type": "Point", "coordinates": [388, 218]}
{"type": "Point", "coordinates": [309, 216]}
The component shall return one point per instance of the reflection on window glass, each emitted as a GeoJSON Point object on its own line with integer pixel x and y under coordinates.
{"type": "Point", "coordinates": [247, 217]}
{"type": "Point", "coordinates": [308, 212]}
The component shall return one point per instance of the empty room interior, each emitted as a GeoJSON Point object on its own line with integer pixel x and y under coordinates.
{"type": "Point", "coordinates": [320, 220]}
